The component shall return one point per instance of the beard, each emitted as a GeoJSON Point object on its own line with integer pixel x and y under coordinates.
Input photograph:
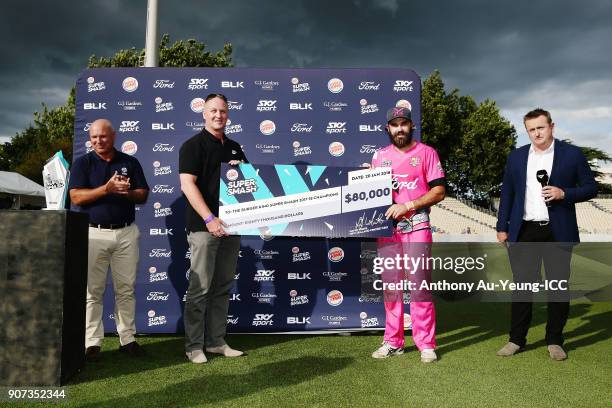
{"type": "Point", "coordinates": [400, 142]}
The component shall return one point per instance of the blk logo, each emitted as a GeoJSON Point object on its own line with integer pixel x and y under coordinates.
{"type": "Point", "coordinates": [298, 276]}
{"type": "Point", "coordinates": [370, 128]}
{"type": "Point", "coordinates": [232, 84]}
{"type": "Point", "coordinates": [298, 320]}
{"type": "Point", "coordinates": [162, 126]}
{"type": "Point", "coordinates": [94, 106]}
{"type": "Point", "coordinates": [300, 106]}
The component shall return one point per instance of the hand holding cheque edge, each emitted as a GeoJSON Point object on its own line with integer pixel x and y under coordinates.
{"type": "Point", "coordinates": [215, 226]}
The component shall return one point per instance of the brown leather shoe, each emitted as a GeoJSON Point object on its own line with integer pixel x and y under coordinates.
{"type": "Point", "coordinates": [134, 349]}
{"type": "Point", "coordinates": [92, 354]}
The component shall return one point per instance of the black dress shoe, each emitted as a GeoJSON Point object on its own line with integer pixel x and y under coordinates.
{"type": "Point", "coordinates": [133, 349]}
{"type": "Point", "coordinates": [92, 354]}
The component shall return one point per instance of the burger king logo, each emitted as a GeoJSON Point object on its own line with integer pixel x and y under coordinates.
{"type": "Point", "coordinates": [197, 105]}
{"type": "Point", "coordinates": [335, 85]}
{"type": "Point", "coordinates": [129, 147]}
{"type": "Point", "coordinates": [336, 254]}
{"type": "Point", "coordinates": [130, 84]}
{"type": "Point", "coordinates": [404, 104]}
{"type": "Point", "coordinates": [232, 174]}
{"type": "Point", "coordinates": [335, 298]}
{"type": "Point", "coordinates": [336, 149]}
{"type": "Point", "coordinates": [267, 127]}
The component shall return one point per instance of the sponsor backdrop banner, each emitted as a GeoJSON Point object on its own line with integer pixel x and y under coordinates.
{"type": "Point", "coordinates": [329, 117]}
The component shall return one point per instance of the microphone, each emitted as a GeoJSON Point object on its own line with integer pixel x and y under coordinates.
{"type": "Point", "coordinates": [542, 176]}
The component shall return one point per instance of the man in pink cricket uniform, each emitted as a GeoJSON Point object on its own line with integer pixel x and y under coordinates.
{"type": "Point", "coordinates": [418, 183]}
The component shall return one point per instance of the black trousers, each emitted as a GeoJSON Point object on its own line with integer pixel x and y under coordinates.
{"type": "Point", "coordinates": [535, 245]}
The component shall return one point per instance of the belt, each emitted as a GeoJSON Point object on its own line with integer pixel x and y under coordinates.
{"type": "Point", "coordinates": [110, 226]}
{"type": "Point", "coordinates": [538, 223]}
{"type": "Point", "coordinates": [407, 224]}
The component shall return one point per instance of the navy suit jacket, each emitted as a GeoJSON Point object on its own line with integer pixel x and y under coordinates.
{"type": "Point", "coordinates": [570, 171]}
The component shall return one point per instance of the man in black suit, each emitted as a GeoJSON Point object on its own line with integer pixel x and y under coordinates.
{"type": "Point", "coordinates": [529, 212]}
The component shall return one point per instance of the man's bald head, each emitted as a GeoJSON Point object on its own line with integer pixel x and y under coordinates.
{"type": "Point", "coordinates": [102, 137]}
{"type": "Point", "coordinates": [101, 124]}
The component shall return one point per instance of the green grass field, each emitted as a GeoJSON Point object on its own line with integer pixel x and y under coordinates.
{"type": "Point", "coordinates": [332, 370]}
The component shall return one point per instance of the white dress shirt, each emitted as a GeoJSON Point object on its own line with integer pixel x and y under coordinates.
{"type": "Point", "coordinates": [535, 206]}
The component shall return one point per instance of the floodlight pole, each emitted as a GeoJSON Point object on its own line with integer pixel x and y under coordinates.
{"type": "Point", "coordinates": [152, 44]}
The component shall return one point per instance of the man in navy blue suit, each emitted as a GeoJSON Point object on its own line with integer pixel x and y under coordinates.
{"type": "Point", "coordinates": [542, 183]}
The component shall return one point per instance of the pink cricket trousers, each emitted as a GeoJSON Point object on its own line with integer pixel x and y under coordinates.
{"type": "Point", "coordinates": [422, 311]}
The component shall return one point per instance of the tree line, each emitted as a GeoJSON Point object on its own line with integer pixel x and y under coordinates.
{"type": "Point", "coordinates": [473, 139]}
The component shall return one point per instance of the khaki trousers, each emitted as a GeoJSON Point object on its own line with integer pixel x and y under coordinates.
{"type": "Point", "coordinates": [119, 249]}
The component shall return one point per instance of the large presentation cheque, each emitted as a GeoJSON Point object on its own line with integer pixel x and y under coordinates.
{"type": "Point", "coordinates": [305, 200]}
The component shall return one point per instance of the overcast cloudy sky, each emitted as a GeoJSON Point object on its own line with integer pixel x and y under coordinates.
{"type": "Point", "coordinates": [555, 53]}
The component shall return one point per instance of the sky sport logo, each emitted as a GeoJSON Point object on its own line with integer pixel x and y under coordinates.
{"type": "Point", "coordinates": [197, 105]}
{"type": "Point", "coordinates": [267, 127]}
{"type": "Point", "coordinates": [402, 86]}
{"type": "Point", "coordinates": [129, 147]}
{"type": "Point", "coordinates": [130, 84]}
{"type": "Point", "coordinates": [266, 105]}
{"type": "Point", "coordinates": [335, 85]}
{"type": "Point", "coordinates": [335, 127]}
{"type": "Point", "coordinates": [263, 319]}
{"type": "Point", "coordinates": [335, 298]}
{"type": "Point", "coordinates": [197, 84]}
{"type": "Point", "coordinates": [336, 149]}
{"type": "Point", "coordinates": [264, 275]}
{"type": "Point", "coordinates": [299, 87]}
{"type": "Point", "coordinates": [129, 126]}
